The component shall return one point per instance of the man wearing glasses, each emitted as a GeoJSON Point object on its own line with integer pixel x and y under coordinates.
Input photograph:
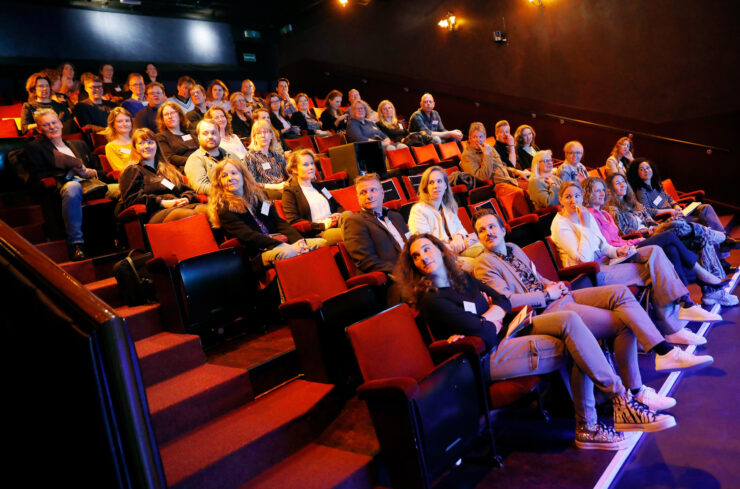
{"type": "Point", "coordinates": [93, 111]}
{"type": "Point", "coordinates": [572, 169]}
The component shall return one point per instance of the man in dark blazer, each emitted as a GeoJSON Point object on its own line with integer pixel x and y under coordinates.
{"type": "Point", "coordinates": [68, 162]}
{"type": "Point", "coordinates": [375, 236]}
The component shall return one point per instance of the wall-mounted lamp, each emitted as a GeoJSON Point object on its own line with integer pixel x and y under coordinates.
{"type": "Point", "coordinates": [538, 3]}
{"type": "Point", "coordinates": [449, 22]}
{"type": "Point", "coordinates": [343, 3]}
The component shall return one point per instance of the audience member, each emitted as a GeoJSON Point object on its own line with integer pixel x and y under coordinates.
{"type": "Point", "coordinates": [482, 161]}
{"type": "Point", "coordinates": [201, 162]}
{"type": "Point", "coordinates": [38, 87]}
{"type": "Point", "coordinates": [147, 117]}
{"type": "Point", "coordinates": [174, 139]}
{"type": "Point", "coordinates": [229, 141]}
{"type": "Point", "coordinates": [69, 87]}
{"type": "Point", "coordinates": [389, 124]}
{"type": "Point", "coordinates": [120, 126]}
{"type": "Point", "coordinates": [427, 120]}
{"type": "Point", "coordinates": [287, 104]}
{"type": "Point", "coordinates": [525, 147]}
{"type": "Point", "coordinates": [112, 91]}
{"type": "Point", "coordinates": [93, 111]}
{"type": "Point", "coordinates": [305, 200]}
{"type": "Point", "coordinates": [56, 83]}
{"type": "Point", "coordinates": [359, 129]}
{"type": "Point", "coordinates": [151, 73]}
{"type": "Point", "coordinates": [217, 95]}
{"type": "Point", "coordinates": [198, 97]}
{"type": "Point", "coordinates": [250, 95]}
{"type": "Point", "coordinates": [506, 149]}
{"type": "Point", "coordinates": [241, 115]}
{"type": "Point", "coordinates": [138, 96]}
{"type": "Point", "coordinates": [153, 182]}
{"type": "Point", "coordinates": [278, 120]}
{"type": "Point", "coordinates": [572, 169]}
{"type": "Point", "coordinates": [182, 97]}
{"type": "Point", "coordinates": [620, 157]}
{"type": "Point", "coordinates": [240, 208]}
{"type": "Point", "coordinates": [353, 96]}
{"type": "Point", "coordinates": [332, 118]}
{"type": "Point", "coordinates": [544, 187]}
{"type": "Point", "coordinates": [265, 162]}
{"type": "Point", "coordinates": [305, 117]}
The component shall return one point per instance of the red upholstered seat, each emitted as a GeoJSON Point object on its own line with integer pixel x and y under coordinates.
{"type": "Point", "coordinates": [319, 263]}
{"type": "Point", "coordinates": [8, 129]}
{"type": "Point", "coordinates": [462, 213]}
{"type": "Point", "coordinates": [513, 201]}
{"type": "Point", "coordinates": [324, 143]}
{"type": "Point", "coordinates": [347, 198]}
{"type": "Point", "coordinates": [686, 197]}
{"type": "Point", "coordinates": [303, 142]}
{"type": "Point", "coordinates": [449, 150]}
{"type": "Point", "coordinates": [425, 155]}
{"type": "Point", "coordinates": [399, 159]}
{"type": "Point", "coordinates": [326, 169]}
{"type": "Point", "coordinates": [183, 238]}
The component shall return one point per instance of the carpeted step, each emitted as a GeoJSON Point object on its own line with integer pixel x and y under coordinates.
{"type": "Point", "coordinates": [192, 398]}
{"type": "Point", "coordinates": [728, 222]}
{"type": "Point", "coordinates": [83, 271]}
{"type": "Point", "coordinates": [317, 467]}
{"type": "Point", "coordinates": [22, 216]}
{"type": "Point", "coordinates": [34, 233]}
{"type": "Point", "coordinates": [142, 321]}
{"type": "Point", "coordinates": [166, 355]}
{"type": "Point", "coordinates": [107, 290]}
{"type": "Point", "coordinates": [231, 450]}
{"type": "Point", "coordinates": [56, 250]}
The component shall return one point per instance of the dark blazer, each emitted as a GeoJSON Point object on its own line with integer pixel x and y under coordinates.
{"type": "Point", "coordinates": [299, 119]}
{"type": "Point", "coordinates": [141, 184]}
{"type": "Point", "coordinates": [175, 149]}
{"type": "Point", "coordinates": [241, 128]}
{"type": "Point", "coordinates": [370, 244]}
{"type": "Point", "coordinates": [296, 206]}
{"type": "Point", "coordinates": [41, 156]}
{"type": "Point", "coordinates": [243, 227]}
{"type": "Point", "coordinates": [147, 117]}
{"type": "Point", "coordinates": [524, 159]}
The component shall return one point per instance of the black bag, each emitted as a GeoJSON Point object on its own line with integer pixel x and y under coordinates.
{"type": "Point", "coordinates": [134, 282]}
{"type": "Point", "coordinates": [417, 139]}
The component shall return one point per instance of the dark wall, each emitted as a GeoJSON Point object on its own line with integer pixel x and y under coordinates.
{"type": "Point", "coordinates": [654, 61]}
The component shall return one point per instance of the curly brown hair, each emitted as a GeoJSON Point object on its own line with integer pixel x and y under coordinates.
{"type": "Point", "coordinates": [221, 199]}
{"type": "Point", "coordinates": [184, 122]}
{"type": "Point", "coordinates": [415, 284]}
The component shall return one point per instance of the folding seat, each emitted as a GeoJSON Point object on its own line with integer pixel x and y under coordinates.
{"type": "Point", "coordinates": [202, 289]}
{"type": "Point", "coordinates": [347, 198]}
{"type": "Point", "coordinates": [303, 142]}
{"type": "Point", "coordinates": [328, 172]}
{"type": "Point", "coordinates": [462, 214]}
{"type": "Point", "coordinates": [411, 183]}
{"type": "Point", "coordinates": [480, 194]}
{"type": "Point", "coordinates": [323, 143]}
{"type": "Point", "coordinates": [400, 159]}
{"type": "Point", "coordinates": [319, 304]}
{"type": "Point", "coordinates": [682, 197]}
{"type": "Point", "coordinates": [449, 151]}
{"type": "Point", "coordinates": [98, 140]}
{"type": "Point", "coordinates": [8, 129]}
{"type": "Point", "coordinates": [303, 227]}
{"type": "Point", "coordinates": [425, 155]}
{"type": "Point", "coordinates": [109, 171]}
{"type": "Point", "coordinates": [545, 256]}
{"type": "Point", "coordinates": [427, 415]}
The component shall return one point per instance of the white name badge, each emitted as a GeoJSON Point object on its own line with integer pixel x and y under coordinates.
{"type": "Point", "coordinates": [117, 89]}
{"type": "Point", "coordinates": [187, 137]}
{"type": "Point", "coordinates": [265, 208]}
{"type": "Point", "coordinates": [435, 123]}
{"type": "Point", "coordinates": [167, 184]}
{"type": "Point", "coordinates": [266, 166]}
{"type": "Point", "coordinates": [470, 307]}
{"type": "Point", "coordinates": [408, 234]}
{"type": "Point", "coordinates": [326, 193]}
{"type": "Point", "coordinates": [658, 200]}
{"type": "Point", "coordinates": [126, 151]}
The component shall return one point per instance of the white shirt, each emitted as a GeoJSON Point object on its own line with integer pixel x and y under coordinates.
{"type": "Point", "coordinates": [320, 208]}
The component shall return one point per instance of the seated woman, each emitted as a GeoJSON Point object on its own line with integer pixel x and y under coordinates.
{"type": "Point", "coordinates": [436, 214]}
{"type": "Point", "coordinates": [332, 118]}
{"type": "Point", "coordinates": [241, 115]}
{"type": "Point", "coordinates": [241, 209]}
{"type": "Point", "coordinates": [152, 181]}
{"type": "Point", "coordinates": [118, 133]}
{"type": "Point", "coordinates": [305, 200]}
{"type": "Point", "coordinates": [544, 187]}
{"type": "Point", "coordinates": [56, 84]}
{"type": "Point", "coordinates": [249, 92]}
{"type": "Point", "coordinates": [644, 178]}
{"type": "Point", "coordinates": [572, 169]}
{"type": "Point", "coordinates": [305, 117]}
{"type": "Point", "coordinates": [359, 129]}
{"type": "Point", "coordinates": [684, 260]}
{"type": "Point", "coordinates": [630, 217]}
{"type": "Point", "coordinates": [174, 138]}
{"type": "Point", "coordinates": [280, 123]}
{"type": "Point", "coordinates": [69, 87]}
{"type": "Point", "coordinates": [579, 240]}
{"type": "Point", "coordinates": [455, 304]}
{"type": "Point", "coordinates": [38, 87]}
{"type": "Point", "coordinates": [229, 141]}
{"type": "Point", "coordinates": [620, 157]}
{"type": "Point", "coordinates": [525, 147]}
{"type": "Point", "coordinates": [388, 123]}
{"type": "Point", "coordinates": [265, 162]}
{"type": "Point", "coordinates": [217, 95]}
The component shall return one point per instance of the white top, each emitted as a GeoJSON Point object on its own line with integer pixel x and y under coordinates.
{"type": "Point", "coordinates": [580, 244]}
{"type": "Point", "coordinates": [423, 218]}
{"type": "Point", "coordinates": [320, 208]}
{"type": "Point", "coordinates": [234, 145]}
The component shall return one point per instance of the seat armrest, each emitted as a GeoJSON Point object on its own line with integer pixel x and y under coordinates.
{"type": "Point", "coordinates": [160, 263]}
{"type": "Point", "coordinates": [372, 279]}
{"type": "Point", "coordinates": [525, 219]}
{"type": "Point", "coordinates": [132, 212]}
{"type": "Point", "coordinates": [696, 194]}
{"type": "Point", "coordinates": [569, 273]}
{"type": "Point", "coordinates": [404, 388]}
{"type": "Point", "coordinates": [303, 227]}
{"type": "Point", "coordinates": [230, 243]}
{"type": "Point", "coordinates": [302, 307]}
{"type": "Point", "coordinates": [469, 345]}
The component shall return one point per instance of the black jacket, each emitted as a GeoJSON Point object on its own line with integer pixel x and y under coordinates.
{"type": "Point", "coordinates": [243, 227]}
{"type": "Point", "coordinates": [295, 204]}
{"type": "Point", "coordinates": [370, 244]}
{"type": "Point", "coordinates": [41, 157]}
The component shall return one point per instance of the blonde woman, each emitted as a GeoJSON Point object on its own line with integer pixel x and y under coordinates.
{"type": "Point", "coordinates": [572, 169]}
{"type": "Point", "coordinates": [229, 141]}
{"type": "Point", "coordinates": [119, 148]}
{"type": "Point", "coordinates": [388, 122]}
{"type": "Point", "coordinates": [265, 162]}
{"type": "Point", "coordinates": [620, 157]}
{"type": "Point", "coordinates": [543, 185]}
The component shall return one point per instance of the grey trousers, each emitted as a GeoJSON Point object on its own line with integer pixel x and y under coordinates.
{"type": "Point", "coordinates": [543, 351]}
{"type": "Point", "coordinates": [650, 266]}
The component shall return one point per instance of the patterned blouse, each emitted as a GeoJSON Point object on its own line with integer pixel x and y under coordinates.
{"type": "Point", "coordinates": [266, 168]}
{"type": "Point", "coordinates": [567, 172]}
{"type": "Point", "coordinates": [630, 221]}
{"type": "Point", "coordinates": [528, 278]}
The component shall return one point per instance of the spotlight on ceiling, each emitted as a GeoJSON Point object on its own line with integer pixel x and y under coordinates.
{"type": "Point", "coordinates": [448, 22]}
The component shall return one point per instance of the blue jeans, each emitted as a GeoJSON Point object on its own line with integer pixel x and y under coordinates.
{"type": "Point", "coordinates": [71, 194]}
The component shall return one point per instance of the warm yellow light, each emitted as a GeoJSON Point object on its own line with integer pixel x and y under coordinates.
{"type": "Point", "coordinates": [443, 23]}
{"type": "Point", "coordinates": [449, 22]}
{"type": "Point", "coordinates": [343, 3]}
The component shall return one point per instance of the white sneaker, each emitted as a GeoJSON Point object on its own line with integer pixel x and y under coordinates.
{"type": "Point", "coordinates": [719, 296]}
{"type": "Point", "coordinates": [653, 400]}
{"type": "Point", "coordinates": [696, 313]}
{"type": "Point", "coordinates": [685, 337]}
{"type": "Point", "coordinates": [677, 359]}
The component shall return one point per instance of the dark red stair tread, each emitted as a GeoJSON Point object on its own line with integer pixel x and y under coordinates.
{"type": "Point", "coordinates": [316, 467]}
{"type": "Point", "coordinates": [56, 250]}
{"type": "Point", "coordinates": [107, 290]}
{"type": "Point", "coordinates": [83, 271]}
{"type": "Point", "coordinates": [235, 431]}
{"type": "Point", "coordinates": [142, 321]}
{"type": "Point", "coordinates": [165, 355]}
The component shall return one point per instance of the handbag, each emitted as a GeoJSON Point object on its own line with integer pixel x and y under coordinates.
{"type": "Point", "coordinates": [92, 189]}
{"type": "Point", "coordinates": [417, 139]}
{"type": "Point", "coordinates": [135, 284]}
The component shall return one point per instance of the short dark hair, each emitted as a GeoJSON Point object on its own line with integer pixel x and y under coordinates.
{"type": "Point", "coordinates": [185, 79]}
{"type": "Point", "coordinates": [151, 85]}
{"type": "Point", "coordinates": [487, 212]}
{"type": "Point", "coordinates": [281, 79]}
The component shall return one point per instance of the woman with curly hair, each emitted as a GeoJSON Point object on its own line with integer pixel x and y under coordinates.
{"type": "Point", "coordinates": [118, 133]}
{"type": "Point", "coordinates": [218, 95]}
{"type": "Point", "coordinates": [174, 138]}
{"type": "Point", "coordinates": [239, 207]}
{"type": "Point", "coordinates": [152, 181]}
{"type": "Point", "coordinates": [454, 305]}
{"type": "Point", "coordinates": [620, 157]}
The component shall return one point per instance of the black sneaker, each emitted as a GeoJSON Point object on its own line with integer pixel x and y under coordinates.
{"type": "Point", "coordinates": [77, 252]}
{"type": "Point", "coordinates": [632, 415]}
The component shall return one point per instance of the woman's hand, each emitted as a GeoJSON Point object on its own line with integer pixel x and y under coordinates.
{"type": "Point", "coordinates": [556, 290]}
{"type": "Point", "coordinates": [625, 250]}
{"type": "Point", "coordinates": [454, 338]}
{"type": "Point", "coordinates": [494, 314]}
{"type": "Point", "coordinates": [457, 243]}
{"type": "Point", "coordinates": [168, 203]}
{"type": "Point", "coordinates": [628, 155]}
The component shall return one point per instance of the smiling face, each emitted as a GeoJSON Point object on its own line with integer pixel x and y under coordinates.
{"type": "Point", "coordinates": [353, 96]}
{"type": "Point", "coordinates": [94, 90]}
{"type": "Point", "coordinates": [42, 90]}
{"type": "Point", "coordinates": [572, 199]}
{"type": "Point", "coordinates": [436, 186]}
{"type": "Point", "coordinates": [217, 92]}
{"type": "Point", "coordinates": [208, 136]}
{"type": "Point", "coordinates": [171, 118]}
{"type": "Point", "coordinates": [136, 85]}
{"type": "Point", "coordinates": [598, 195]}
{"type": "Point", "coordinates": [147, 148]}
{"type": "Point", "coordinates": [155, 96]}
{"type": "Point", "coordinates": [574, 154]}
{"type": "Point", "coordinates": [426, 256]}
{"type": "Point", "coordinates": [232, 180]}
{"type": "Point", "coordinates": [386, 110]}
{"type": "Point", "coordinates": [274, 104]}
{"type": "Point", "coordinates": [263, 136]}
{"type": "Point", "coordinates": [306, 168]}
{"type": "Point", "coordinates": [370, 195]}
{"type": "Point", "coordinates": [151, 70]}
{"type": "Point", "coordinates": [490, 233]}
{"type": "Point", "coordinates": [302, 103]}
{"type": "Point", "coordinates": [220, 117]}
{"type": "Point", "coordinates": [240, 103]}
{"type": "Point", "coordinates": [50, 126]}
{"type": "Point", "coordinates": [358, 111]}
{"type": "Point", "coordinates": [107, 72]}
{"type": "Point", "coordinates": [645, 172]}
{"type": "Point", "coordinates": [122, 124]}
{"type": "Point", "coordinates": [619, 186]}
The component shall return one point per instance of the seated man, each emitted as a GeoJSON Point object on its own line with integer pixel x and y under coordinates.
{"type": "Point", "coordinates": [182, 97]}
{"type": "Point", "coordinates": [138, 99]}
{"type": "Point", "coordinates": [609, 311]}
{"type": "Point", "coordinates": [427, 120]}
{"type": "Point", "coordinates": [69, 162]}
{"type": "Point", "coordinates": [506, 149]}
{"type": "Point", "coordinates": [147, 117]}
{"type": "Point", "coordinates": [375, 236]}
{"type": "Point", "coordinates": [198, 97]}
{"type": "Point", "coordinates": [287, 104]}
{"type": "Point", "coordinates": [93, 111]}
{"type": "Point", "coordinates": [572, 169]}
{"type": "Point", "coordinates": [201, 162]}
{"type": "Point", "coordinates": [482, 161]}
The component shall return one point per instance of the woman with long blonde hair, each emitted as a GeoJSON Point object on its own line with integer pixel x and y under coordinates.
{"type": "Point", "coordinates": [118, 133]}
{"type": "Point", "coordinates": [267, 164]}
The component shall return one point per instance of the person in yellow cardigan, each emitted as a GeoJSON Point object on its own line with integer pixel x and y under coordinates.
{"type": "Point", "coordinates": [118, 133]}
